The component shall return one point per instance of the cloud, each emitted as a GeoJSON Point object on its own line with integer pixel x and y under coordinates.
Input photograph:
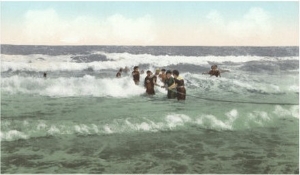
{"type": "Point", "coordinates": [133, 30]}
{"type": "Point", "coordinates": [215, 18]}
{"type": "Point", "coordinates": [40, 25]}
{"type": "Point", "coordinates": [255, 27]}
{"type": "Point", "coordinates": [255, 24]}
{"type": "Point", "coordinates": [46, 27]}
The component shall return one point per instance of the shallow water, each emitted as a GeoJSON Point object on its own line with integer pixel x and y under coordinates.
{"type": "Point", "coordinates": [193, 150]}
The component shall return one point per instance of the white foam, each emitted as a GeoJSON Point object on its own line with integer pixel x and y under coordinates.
{"type": "Point", "coordinates": [210, 121]}
{"type": "Point", "coordinates": [115, 61]}
{"type": "Point", "coordinates": [64, 87]}
{"type": "Point", "coordinates": [174, 120]}
{"type": "Point", "coordinates": [294, 88]}
{"type": "Point", "coordinates": [164, 60]}
{"type": "Point", "coordinates": [281, 112]}
{"type": "Point", "coordinates": [232, 115]}
{"type": "Point", "coordinates": [53, 130]}
{"type": "Point", "coordinates": [295, 111]}
{"type": "Point", "coordinates": [258, 117]}
{"type": "Point", "coordinates": [12, 135]}
{"type": "Point", "coordinates": [144, 126]}
{"type": "Point", "coordinates": [107, 129]}
{"type": "Point", "coordinates": [82, 129]}
{"type": "Point", "coordinates": [34, 63]}
{"type": "Point", "coordinates": [228, 121]}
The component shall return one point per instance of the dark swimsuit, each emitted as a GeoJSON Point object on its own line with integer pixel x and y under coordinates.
{"type": "Point", "coordinates": [171, 93]}
{"type": "Point", "coordinates": [149, 86]}
{"type": "Point", "coordinates": [180, 89]}
{"type": "Point", "coordinates": [215, 73]}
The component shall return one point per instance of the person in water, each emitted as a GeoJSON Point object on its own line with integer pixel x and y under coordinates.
{"type": "Point", "coordinates": [118, 75]}
{"type": "Point", "coordinates": [170, 85]}
{"type": "Point", "coordinates": [157, 71]}
{"type": "Point", "coordinates": [214, 71]}
{"type": "Point", "coordinates": [179, 83]}
{"type": "Point", "coordinates": [136, 75]}
{"type": "Point", "coordinates": [149, 83]}
{"type": "Point", "coordinates": [45, 75]}
{"type": "Point", "coordinates": [162, 76]}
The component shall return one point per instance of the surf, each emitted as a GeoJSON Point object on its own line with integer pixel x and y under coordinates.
{"type": "Point", "coordinates": [231, 120]}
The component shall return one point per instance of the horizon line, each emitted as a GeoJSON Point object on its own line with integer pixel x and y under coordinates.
{"type": "Point", "coordinates": [152, 45]}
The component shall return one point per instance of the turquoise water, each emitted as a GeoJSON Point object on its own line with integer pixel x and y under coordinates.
{"type": "Point", "coordinates": [182, 147]}
{"type": "Point", "coordinates": [145, 134]}
{"type": "Point", "coordinates": [184, 151]}
{"type": "Point", "coordinates": [80, 120]}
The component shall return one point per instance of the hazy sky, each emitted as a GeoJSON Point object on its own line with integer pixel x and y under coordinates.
{"type": "Point", "coordinates": [201, 23]}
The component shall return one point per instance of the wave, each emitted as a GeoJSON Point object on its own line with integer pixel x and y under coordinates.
{"type": "Point", "coordinates": [155, 50]}
{"type": "Point", "coordinates": [67, 87]}
{"type": "Point", "coordinates": [242, 84]}
{"type": "Point", "coordinates": [101, 61]}
{"type": "Point", "coordinates": [232, 120]}
{"type": "Point", "coordinates": [124, 87]}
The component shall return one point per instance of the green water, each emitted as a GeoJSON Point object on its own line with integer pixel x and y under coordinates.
{"type": "Point", "coordinates": [82, 119]}
{"type": "Point", "coordinates": [146, 135]}
{"type": "Point", "coordinates": [269, 150]}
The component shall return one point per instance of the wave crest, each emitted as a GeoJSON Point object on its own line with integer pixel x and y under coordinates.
{"type": "Point", "coordinates": [66, 87]}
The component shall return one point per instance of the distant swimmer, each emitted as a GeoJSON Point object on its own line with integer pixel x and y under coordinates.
{"type": "Point", "coordinates": [118, 75]}
{"type": "Point", "coordinates": [136, 75]}
{"type": "Point", "coordinates": [221, 70]}
{"type": "Point", "coordinates": [149, 83]}
{"type": "Point", "coordinates": [45, 75]}
{"type": "Point", "coordinates": [214, 71]}
{"type": "Point", "coordinates": [162, 75]}
{"type": "Point", "coordinates": [179, 83]}
{"type": "Point", "coordinates": [170, 85]}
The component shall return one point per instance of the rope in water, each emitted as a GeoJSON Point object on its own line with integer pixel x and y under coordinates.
{"type": "Point", "coordinates": [230, 101]}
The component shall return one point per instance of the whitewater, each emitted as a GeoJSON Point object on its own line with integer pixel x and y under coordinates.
{"type": "Point", "coordinates": [82, 119]}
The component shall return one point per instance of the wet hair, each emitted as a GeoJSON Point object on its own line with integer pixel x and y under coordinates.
{"type": "Point", "coordinates": [148, 71]}
{"type": "Point", "coordinates": [169, 72]}
{"type": "Point", "coordinates": [136, 67]}
{"type": "Point", "coordinates": [163, 70]}
{"type": "Point", "coordinates": [176, 72]}
{"type": "Point", "coordinates": [214, 66]}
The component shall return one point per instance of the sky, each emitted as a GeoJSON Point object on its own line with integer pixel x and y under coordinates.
{"type": "Point", "coordinates": [180, 23]}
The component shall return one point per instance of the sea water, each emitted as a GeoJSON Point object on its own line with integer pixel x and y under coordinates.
{"type": "Point", "coordinates": [82, 119]}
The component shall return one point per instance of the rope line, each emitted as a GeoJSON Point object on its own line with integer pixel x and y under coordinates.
{"type": "Point", "coordinates": [230, 101]}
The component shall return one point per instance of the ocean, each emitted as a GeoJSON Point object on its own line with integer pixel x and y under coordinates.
{"type": "Point", "coordinates": [82, 119]}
